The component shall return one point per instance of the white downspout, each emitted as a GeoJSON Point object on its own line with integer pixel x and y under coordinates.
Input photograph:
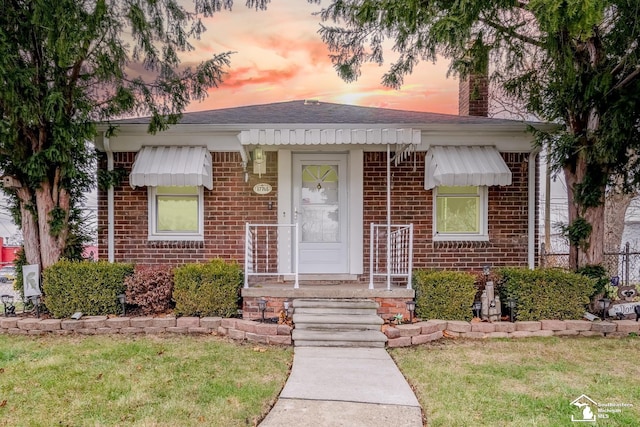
{"type": "Point", "coordinates": [388, 217]}
{"type": "Point", "coordinates": [110, 211]}
{"type": "Point", "coordinates": [532, 209]}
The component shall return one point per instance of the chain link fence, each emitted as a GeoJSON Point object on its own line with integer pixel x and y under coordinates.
{"type": "Point", "coordinates": [624, 263]}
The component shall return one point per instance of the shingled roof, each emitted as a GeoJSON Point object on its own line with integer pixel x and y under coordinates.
{"type": "Point", "coordinates": [314, 112]}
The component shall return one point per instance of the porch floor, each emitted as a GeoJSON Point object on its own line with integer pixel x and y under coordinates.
{"type": "Point", "coordinates": [326, 289]}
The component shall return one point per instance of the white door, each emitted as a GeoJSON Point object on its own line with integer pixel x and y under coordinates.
{"type": "Point", "coordinates": [320, 207]}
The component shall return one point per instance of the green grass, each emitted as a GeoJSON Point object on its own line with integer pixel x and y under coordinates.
{"type": "Point", "coordinates": [137, 381]}
{"type": "Point", "coordinates": [523, 382]}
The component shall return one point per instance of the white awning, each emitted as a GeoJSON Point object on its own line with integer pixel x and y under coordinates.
{"type": "Point", "coordinates": [329, 136]}
{"type": "Point", "coordinates": [459, 166]}
{"type": "Point", "coordinates": [172, 166]}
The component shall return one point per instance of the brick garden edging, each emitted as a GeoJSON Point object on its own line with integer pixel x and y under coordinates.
{"type": "Point", "coordinates": [431, 330]}
{"type": "Point", "coordinates": [269, 333]}
{"type": "Point", "coordinates": [236, 329]}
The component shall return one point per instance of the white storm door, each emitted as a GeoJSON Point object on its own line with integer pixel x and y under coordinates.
{"type": "Point", "coordinates": [320, 206]}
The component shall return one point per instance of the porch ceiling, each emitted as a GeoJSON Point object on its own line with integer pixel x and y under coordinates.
{"type": "Point", "coordinates": [329, 136]}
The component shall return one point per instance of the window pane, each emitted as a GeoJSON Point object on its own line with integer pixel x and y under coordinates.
{"type": "Point", "coordinates": [319, 215]}
{"type": "Point", "coordinates": [177, 209]}
{"type": "Point", "coordinates": [470, 189]}
{"type": "Point", "coordinates": [458, 214]}
{"type": "Point", "coordinates": [174, 191]}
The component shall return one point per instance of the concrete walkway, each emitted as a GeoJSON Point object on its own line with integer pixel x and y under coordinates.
{"type": "Point", "coordinates": [331, 386]}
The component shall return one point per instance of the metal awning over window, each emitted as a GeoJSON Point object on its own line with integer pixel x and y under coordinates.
{"type": "Point", "coordinates": [461, 166]}
{"type": "Point", "coordinates": [172, 166]}
{"type": "Point", "coordinates": [329, 136]}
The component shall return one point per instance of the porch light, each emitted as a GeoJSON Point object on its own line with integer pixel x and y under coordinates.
{"type": "Point", "coordinates": [262, 306]}
{"type": "Point", "coordinates": [511, 303]}
{"type": "Point", "coordinates": [411, 307]}
{"type": "Point", "coordinates": [122, 299]}
{"type": "Point", "coordinates": [35, 300]}
{"type": "Point", "coordinates": [604, 302]}
{"type": "Point", "coordinates": [9, 309]}
{"type": "Point", "coordinates": [258, 155]}
{"type": "Point", "coordinates": [476, 307]}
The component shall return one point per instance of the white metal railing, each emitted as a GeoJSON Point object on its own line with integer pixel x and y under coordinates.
{"type": "Point", "coordinates": [270, 250]}
{"type": "Point", "coordinates": [391, 252]}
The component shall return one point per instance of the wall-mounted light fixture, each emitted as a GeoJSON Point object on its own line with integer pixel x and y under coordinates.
{"type": "Point", "coordinates": [259, 161]}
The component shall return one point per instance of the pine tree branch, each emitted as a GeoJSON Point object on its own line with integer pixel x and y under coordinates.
{"type": "Point", "coordinates": [511, 32]}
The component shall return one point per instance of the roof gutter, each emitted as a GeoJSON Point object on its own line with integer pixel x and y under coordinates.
{"type": "Point", "coordinates": [110, 202]}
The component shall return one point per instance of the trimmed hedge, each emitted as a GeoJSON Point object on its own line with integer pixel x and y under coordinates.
{"type": "Point", "coordinates": [446, 295]}
{"type": "Point", "coordinates": [89, 287]}
{"type": "Point", "coordinates": [546, 293]}
{"type": "Point", "coordinates": [211, 289]}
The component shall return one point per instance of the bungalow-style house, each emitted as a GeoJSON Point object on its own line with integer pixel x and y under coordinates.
{"type": "Point", "coordinates": [321, 199]}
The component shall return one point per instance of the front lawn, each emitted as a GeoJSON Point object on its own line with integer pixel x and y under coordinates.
{"type": "Point", "coordinates": [524, 382]}
{"type": "Point", "coordinates": [137, 381]}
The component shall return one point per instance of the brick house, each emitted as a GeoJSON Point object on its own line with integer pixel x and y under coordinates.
{"type": "Point", "coordinates": [307, 190]}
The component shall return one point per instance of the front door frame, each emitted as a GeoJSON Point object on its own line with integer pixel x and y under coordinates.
{"type": "Point", "coordinates": [355, 206]}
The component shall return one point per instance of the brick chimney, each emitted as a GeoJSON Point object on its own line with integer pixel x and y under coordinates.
{"type": "Point", "coordinates": [473, 95]}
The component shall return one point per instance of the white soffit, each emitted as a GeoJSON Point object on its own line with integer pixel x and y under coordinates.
{"type": "Point", "coordinates": [172, 166]}
{"type": "Point", "coordinates": [329, 136]}
{"type": "Point", "coordinates": [460, 166]}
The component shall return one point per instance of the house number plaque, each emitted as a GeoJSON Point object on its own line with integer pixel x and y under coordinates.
{"type": "Point", "coordinates": [262, 188]}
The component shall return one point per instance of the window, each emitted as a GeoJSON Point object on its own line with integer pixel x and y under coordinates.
{"type": "Point", "coordinates": [176, 213]}
{"type": "Point", "coordinates": [460, 213]}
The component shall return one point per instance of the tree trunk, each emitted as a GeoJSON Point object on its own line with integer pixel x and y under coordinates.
{"type": "Point", "coordinates": [616, 207]}
{"type": "Point", "coordinates": [593, 250]}
{"type": "Point", "coordinates": [30, 238]}
{"type": "Point", "coordinates": [51, 246]}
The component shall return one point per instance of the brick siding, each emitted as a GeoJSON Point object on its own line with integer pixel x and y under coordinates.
{"type": "Point", "coordinates": [232, 203]}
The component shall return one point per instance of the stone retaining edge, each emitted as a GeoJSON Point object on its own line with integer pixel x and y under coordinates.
{"type": "Point", "coordinates": [238, 329]}
{"type": "Point", "coordinates": [274, 334]}
{"type": "Point", "coordinates": [431, 330]}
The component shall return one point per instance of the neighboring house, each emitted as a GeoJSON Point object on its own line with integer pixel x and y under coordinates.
{"type": "Point", "coordinates": [466, 183]}
{"type": "Point", "coordinates": [8, 254]}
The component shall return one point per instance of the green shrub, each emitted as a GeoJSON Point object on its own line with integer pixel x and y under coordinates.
{"type": "Point", "coordinates": [602, 281]}
{"type": "Point", "coordinates": [546, 293]}
{"type": "Point", "coordinates": [89, 287]}
{"type": "Point", "coordinates": [446, 295]}
{"type": "Point", "coordinates": [211, 289]}
{"type": "Point", "coordinates": [150, 288]}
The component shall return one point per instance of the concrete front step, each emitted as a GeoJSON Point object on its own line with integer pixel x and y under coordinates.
{"type": "Point", "coordinates": [313, 338]}
{"type": "Point", "coordinates": [331, 320]}
{"type": "Point", "coordinates": [334, 310]}
{"type": "Point", "coordinates": [335, 303]}
{"type": "Point", "coordinates": [337, 322]}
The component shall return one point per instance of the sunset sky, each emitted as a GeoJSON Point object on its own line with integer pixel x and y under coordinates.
{"type": "Point", "coordinates": [280, 57]}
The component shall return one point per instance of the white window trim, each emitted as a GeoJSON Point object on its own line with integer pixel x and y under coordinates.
{"type": "Point", "coordinates": [482, 236]}
{"type": "Point", "coordinates": [170, 236]}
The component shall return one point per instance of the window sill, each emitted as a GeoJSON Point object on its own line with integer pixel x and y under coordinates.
{"type": "Point", "coordinates": [176, 238]}
{"type": "Point", "coordinates": [461, 238]}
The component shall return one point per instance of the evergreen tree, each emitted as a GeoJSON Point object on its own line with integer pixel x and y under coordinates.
{"type": "Point", "coordinates": [66, 65]}
{"type": "Point", "coordinates": [572, 62]}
